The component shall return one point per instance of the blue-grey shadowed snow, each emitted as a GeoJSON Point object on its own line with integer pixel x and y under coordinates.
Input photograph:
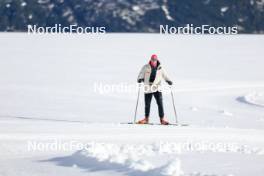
{"type": "Point", "coordinates": [243, 100]}
{"type": "Point", "coordinates": [90, 164]}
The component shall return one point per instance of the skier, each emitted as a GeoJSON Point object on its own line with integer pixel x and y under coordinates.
{"type": "Point", "coordinates": [152, 74]}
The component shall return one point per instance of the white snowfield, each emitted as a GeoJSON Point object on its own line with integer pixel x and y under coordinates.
{"type": "Point", "coordinates": [55, 120]}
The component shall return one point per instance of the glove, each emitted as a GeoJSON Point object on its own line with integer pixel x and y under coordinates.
{"type": "Point", "coordinates": [140, 80]}
{"type": "Point", "coordinates": [169, 82]}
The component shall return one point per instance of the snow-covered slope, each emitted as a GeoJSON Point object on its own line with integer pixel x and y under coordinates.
{"type": "Point", "coordinates": [47, 95]}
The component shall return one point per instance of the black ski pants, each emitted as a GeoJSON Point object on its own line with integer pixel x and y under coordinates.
{"type": "Point", "coordinates": [158, 97]}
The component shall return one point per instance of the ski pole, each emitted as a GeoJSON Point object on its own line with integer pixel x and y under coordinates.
{"type": "Point", "coordinates": [175, 113]}
{"type": "Point", "coordinates": [135, 116]}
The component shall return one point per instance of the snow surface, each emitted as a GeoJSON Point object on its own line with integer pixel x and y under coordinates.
{"type": "Point", "coordinates": [47, 97]}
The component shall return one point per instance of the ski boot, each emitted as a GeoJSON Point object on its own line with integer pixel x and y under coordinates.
{"type": "Point", "coordinates": [143, 121]}
{"type": "Point", "coordinates": [163, 122]}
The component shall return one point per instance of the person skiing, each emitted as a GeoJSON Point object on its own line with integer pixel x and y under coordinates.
{"type": "Point", "coordinates": [151, 75]}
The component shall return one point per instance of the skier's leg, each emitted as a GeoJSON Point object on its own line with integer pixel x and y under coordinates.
{"type": "Point", "coordinates": [158, 97]}
{"type": "Point", "coordinates": [148, 97]}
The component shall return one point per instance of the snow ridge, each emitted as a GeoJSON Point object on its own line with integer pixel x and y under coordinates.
{"type": "Point", "coordinates": [133, 159]}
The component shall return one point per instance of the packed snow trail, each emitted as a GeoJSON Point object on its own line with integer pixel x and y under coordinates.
{"type": "Point", "coordinates": [132, 149]}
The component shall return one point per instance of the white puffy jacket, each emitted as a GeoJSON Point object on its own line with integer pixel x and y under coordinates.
{"type": "Point", "coordinates": [160, 75]}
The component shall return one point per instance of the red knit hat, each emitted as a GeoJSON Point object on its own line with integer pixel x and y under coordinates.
{"type": "Point", "coordinates": [154, 56]}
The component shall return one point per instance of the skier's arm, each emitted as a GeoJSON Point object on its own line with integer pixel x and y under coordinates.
{"type": "Point", "coordinates": [166, 78]}
{"type": "Point", "coordinates": [141, 75]}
